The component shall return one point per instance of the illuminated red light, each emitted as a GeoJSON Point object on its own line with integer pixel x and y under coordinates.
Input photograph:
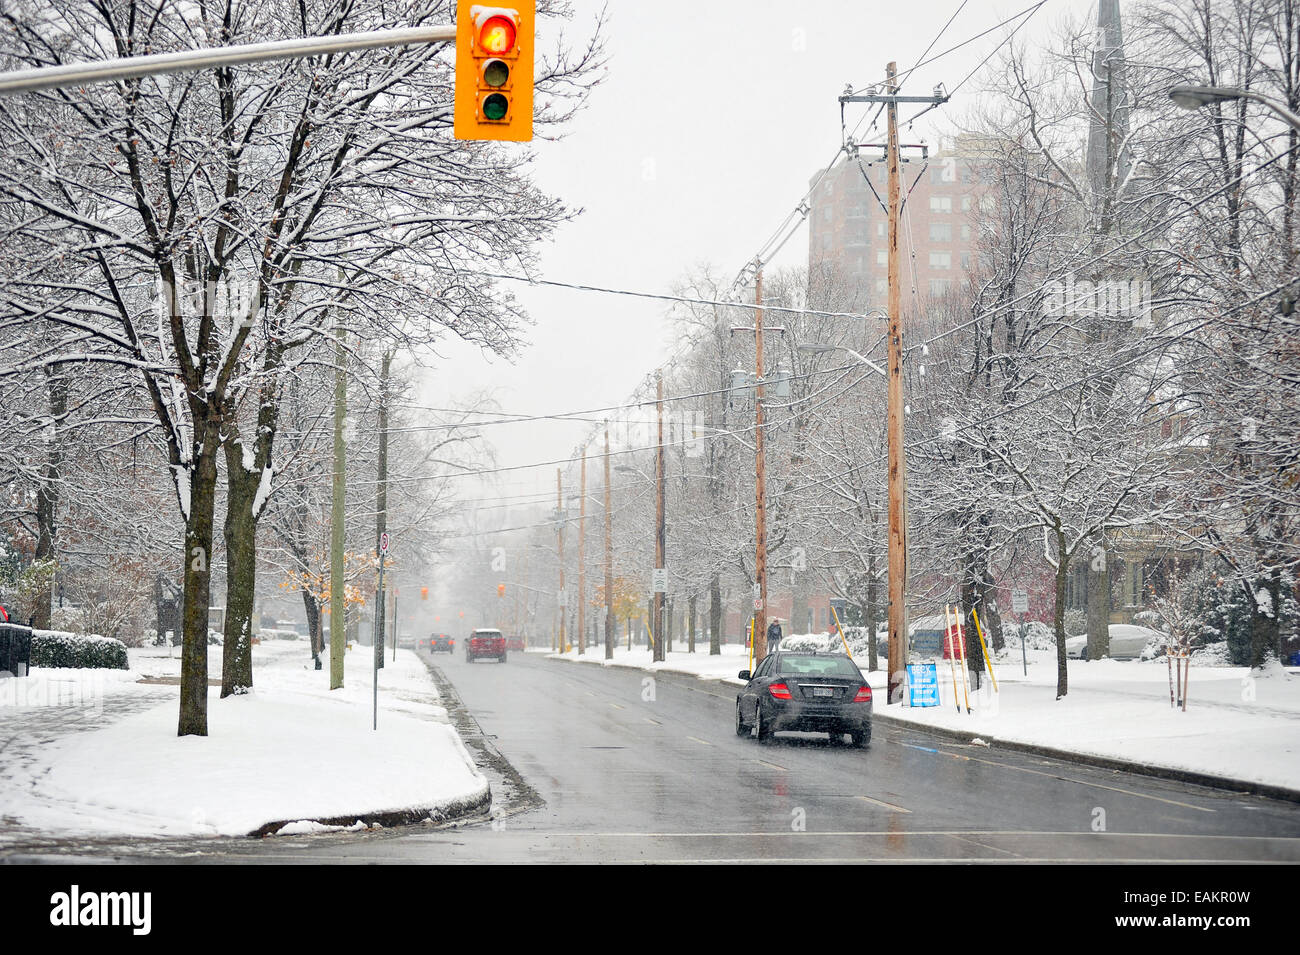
{"type": "Point", "coordinates": [497, 35]}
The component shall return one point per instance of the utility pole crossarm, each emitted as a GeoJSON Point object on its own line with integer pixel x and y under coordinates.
{"type": "Point", "coordinates": [935, 100]}
{"type": "Point", "coordinates": [183, 61]}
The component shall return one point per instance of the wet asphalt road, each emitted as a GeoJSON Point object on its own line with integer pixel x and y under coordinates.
{"type": "Point", "coordinates": [592, 764]}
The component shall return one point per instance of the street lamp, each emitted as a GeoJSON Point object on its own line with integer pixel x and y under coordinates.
{"type": "Point", "coordinates": [1194, 97]}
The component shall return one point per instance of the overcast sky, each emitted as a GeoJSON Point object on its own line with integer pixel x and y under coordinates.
{"type": "Point", "coordinates": [703, 136]}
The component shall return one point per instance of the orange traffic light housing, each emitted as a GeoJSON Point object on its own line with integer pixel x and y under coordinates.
{"type": "Point", "coordinates": [501, 590]}
{"type": "Point", "coordinates": [494, 71]}
{"type": "Point", "coordinates": [424, 593]}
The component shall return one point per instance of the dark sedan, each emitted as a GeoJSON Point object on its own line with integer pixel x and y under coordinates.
{"type": "Point", "coordinates": [805, 692]}
{"type": "Point", "coordinates": [440, 643]}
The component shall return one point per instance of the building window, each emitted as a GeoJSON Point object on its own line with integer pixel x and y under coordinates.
{"type": "Point", "coordinates": [965, 230]}
{"type": "Point", "coordinates": [1133, 583]}
{"type": "Point", "coordinates": [941, 203]}
{"type": "Point", "coordinates": [882, 256]}
{"type": "Point", "coordinates": [882, 286]}
{"type": "Point", "coordinates": [940, 232]}
{"type": "Point", "coordinates": [938, 287]}
{"type": "Point", "coordinates": [940, 260]}
{"type": "Point", "coordinates": [965, 260]}
{"type": "Point", "coordinates": [880, 229]}
{"type": "Point", "coordinates": [965, 203]}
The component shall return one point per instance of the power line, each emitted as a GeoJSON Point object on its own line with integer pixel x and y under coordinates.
{"type": "Point", "coordinates": [674, 298]}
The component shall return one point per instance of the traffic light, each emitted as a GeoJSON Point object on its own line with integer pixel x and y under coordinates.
{"type": "Point", "coordinates": [424, 593]}
{"type": "Point", "coordinates": [501, 590]}
{"type": "Point", "coordinates": [494, 71]}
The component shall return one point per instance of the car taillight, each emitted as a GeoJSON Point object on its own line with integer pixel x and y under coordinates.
{"type": "Point", "coordinates": [864, 695]}
{"type": "Point", "coordinates": [780, 691]}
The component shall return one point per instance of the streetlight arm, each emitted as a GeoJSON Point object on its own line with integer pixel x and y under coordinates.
{"type": "Point", "coordinates": [1194, 97]}
{"type": "Point", "coordinates": [184, 61]}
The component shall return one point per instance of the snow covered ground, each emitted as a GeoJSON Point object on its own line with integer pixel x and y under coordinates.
{"type": "Point", "coordinates": [1238, 725]}
{"type": "Point", "coordinates": [96, 752]}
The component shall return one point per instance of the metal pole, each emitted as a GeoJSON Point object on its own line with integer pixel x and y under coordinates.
{"type": "Point", "coordinates": [186, 61]}
{"type": "Point", "coordinates": [559, 543]}
{"type": "Point", "coordinates": [760, 482]}
{"type": "Point", "coordinates": [897, 464]}
{"type": "Point", "coordinates": [609, 559]}
{"type": "Point", "coordinates": [377, 657]}
{"type": "Point", "coordinates": [381, 503]}
{"type": "Point", "coordinates": [338, 611]}
{"type": "Point", "coordinates": [660, 536]}
{"type": "Point", "coordinates": [582, 559]}
{"type": "Point", "coordinates": [394, 625]}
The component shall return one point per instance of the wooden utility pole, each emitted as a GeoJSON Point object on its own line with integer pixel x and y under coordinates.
{"type": "Point", "coordinates": [582, 559]}
{"type": "Point", "coordinates": [609, 559]}
{"type": "Point", "coordinates": [661, 538]}
{"type": "Point", "coordinates": [559, 543]}
{"type": "Point", "coordinates": [897, 463]}
{"type": "Point", "coordinates": [760, 485]}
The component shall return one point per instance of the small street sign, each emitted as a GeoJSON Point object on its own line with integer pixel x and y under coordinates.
{"type": "Point", "coordinates": [1020, 601]}
{"type": "Point", "coordinates": [660, 579]}
{"type": "Point", "coordinates": [383, 542]}
{"type": "Point", "coordinates": [758, 603]}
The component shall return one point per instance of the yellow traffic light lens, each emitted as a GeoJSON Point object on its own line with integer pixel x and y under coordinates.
{"type": "Point", "coordinates": [497, 35]}
{"type": "Point", "coordinates": [496, 73]}
{"type": "Point", "coordinates": [495, 107]}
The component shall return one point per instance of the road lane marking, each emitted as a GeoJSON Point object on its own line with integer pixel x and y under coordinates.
{"type": "Point", "coordinates": [655, 722]}
{"type": "Point", "coordinates": [702, 742]}
{"type": "Point", "coordinates": [618, 706]}
{"type": "Point", "coordinates": [1065, 779]}
{"type": "Point", "coordinates": [773, 765]}
{"type": "Point", "coordinates": [886, 805]}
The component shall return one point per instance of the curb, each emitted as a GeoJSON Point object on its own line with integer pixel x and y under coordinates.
{"type": "Point", "coordinates": [474, 804]}
{"type": "Point", "coordinates": [1208, 780]}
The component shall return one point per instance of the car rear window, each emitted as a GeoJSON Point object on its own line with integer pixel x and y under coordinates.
{"type": "Point", "coordinates": [812, 665]}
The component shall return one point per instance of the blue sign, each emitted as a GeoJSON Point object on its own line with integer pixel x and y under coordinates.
{"type": "Point", "coordinates": [922, 684]}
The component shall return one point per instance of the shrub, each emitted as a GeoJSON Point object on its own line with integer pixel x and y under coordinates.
{"type": "Point", "coordinates": [54, 648]}
{"type": "Point", "coordinates": [1076, 622]}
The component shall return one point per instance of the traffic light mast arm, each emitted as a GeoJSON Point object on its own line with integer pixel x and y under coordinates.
{"type": "Point", "coordinates": [134, 67]}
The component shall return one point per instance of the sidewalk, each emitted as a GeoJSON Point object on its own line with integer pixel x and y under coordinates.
{"type": "Point", "coordinates": [94, 753]}
{"type": "Point", "coordinates": [1240, 730]}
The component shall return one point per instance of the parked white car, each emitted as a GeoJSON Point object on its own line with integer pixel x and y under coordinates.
{"type": "Point", "coordinates": [1127, 642]}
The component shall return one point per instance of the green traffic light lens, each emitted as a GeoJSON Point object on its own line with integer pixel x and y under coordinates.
{"type": "Point", "coordinates": [496, 73]}
{"type": "Point", "coordinates": [495, 107]}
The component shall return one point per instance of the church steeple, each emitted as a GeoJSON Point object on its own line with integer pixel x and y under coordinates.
{"type": "Point", "coordinates": [1109, 159]}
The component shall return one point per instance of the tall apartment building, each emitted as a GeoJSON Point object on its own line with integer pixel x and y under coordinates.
{"type": "Point", "coordinates": [848, 221]}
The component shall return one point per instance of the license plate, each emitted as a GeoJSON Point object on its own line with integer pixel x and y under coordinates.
{"type": "Point", "coordinates": [823, 691]}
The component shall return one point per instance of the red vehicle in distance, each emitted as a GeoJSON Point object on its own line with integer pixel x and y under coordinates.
{"type": "Point", "coordinates": [515, 643]}
{"type": "Point", "coordinates": [485, 643]}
